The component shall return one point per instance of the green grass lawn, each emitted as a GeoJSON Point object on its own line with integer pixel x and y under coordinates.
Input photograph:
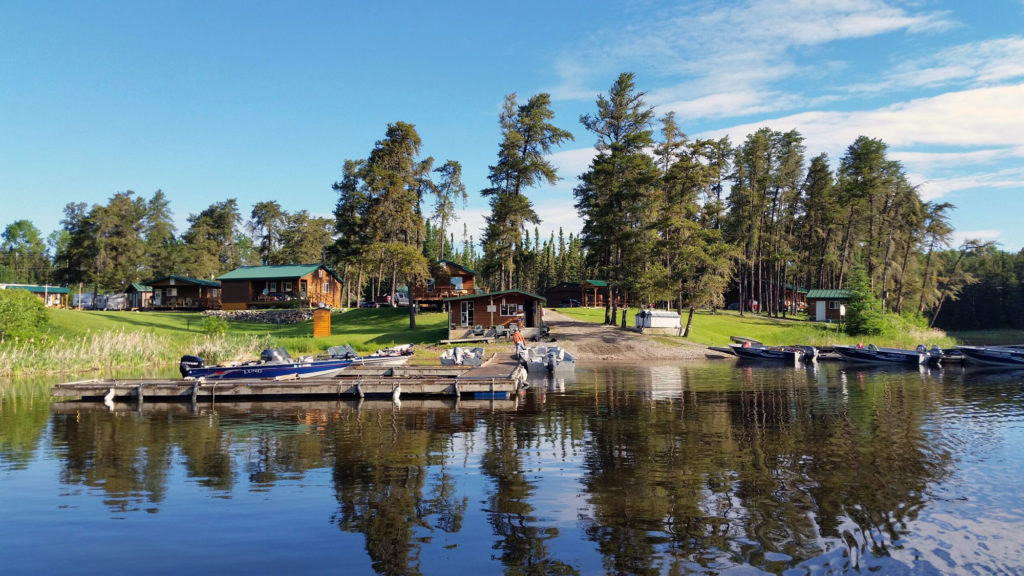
{"type": "Point", "coordinates": [715, 329]}
{"type": "Point", "coordinates": [364, 329]}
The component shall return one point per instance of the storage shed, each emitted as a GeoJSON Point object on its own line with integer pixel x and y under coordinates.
{"type": "Point", "coordinates": [828, 305]}
{"type": "Point", "coordinates": [658, 321]}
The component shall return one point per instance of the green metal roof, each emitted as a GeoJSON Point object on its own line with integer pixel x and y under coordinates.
{"type": "Point", "coordinates": [37, 289]}
{"type": "Point", "coordinates": [597, 283]}
{"type": "Point", "coordinates": [833, 294]}
{"type": "Point", "coordinates": [499, 293]}
{"type": "Point", "coordinates": [457, 265]}
{"type": "Point", "coordinates": [139, 287]}
{"type": "Point", "coordinates": [274, 272]}
{"type": "Point", "coordinates": [187, 280]}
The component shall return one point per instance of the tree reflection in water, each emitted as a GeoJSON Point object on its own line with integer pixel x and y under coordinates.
{"type": "Point", "coordinates": [681, 468]}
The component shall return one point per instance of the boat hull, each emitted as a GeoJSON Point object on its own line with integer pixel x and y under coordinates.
{"type": "Point", "coordinates": [993, 355]}
{"type": "Point", "coordinates": [318, 369]}
{"type": "Point", "coordinates": [889, 356]}
{"type": "Point", "coordinates": [787, 354]}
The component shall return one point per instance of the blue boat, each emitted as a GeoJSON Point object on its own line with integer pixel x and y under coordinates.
{"type": "Point", "coordinates": [274, 363]}
{"type": "Point", "coordinates": [875, 355]}
{"type": "Point", "coordinates": [994, 355]}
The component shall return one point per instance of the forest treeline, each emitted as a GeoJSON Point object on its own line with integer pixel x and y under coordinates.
{"type": "Point", "coordinates": [665, 218]}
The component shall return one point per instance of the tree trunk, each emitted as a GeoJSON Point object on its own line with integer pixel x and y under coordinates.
{"type": "Point", "coordinates": [394, 282]}
{"type": "Point", "coordinates": [412, 309]}
{"type": "Point", "coordinates": [689, 323]}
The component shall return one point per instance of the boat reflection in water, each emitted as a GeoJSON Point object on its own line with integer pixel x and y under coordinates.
{"type": "Point", "coordinates": [703, 467]}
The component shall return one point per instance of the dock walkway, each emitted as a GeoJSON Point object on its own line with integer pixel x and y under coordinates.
{"type": "Point", "coordinates": [494, 379]}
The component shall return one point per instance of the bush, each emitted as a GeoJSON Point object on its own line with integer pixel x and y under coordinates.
{"type": "Point", "coordinates": [22, 314]}
{"type": "Point", "coordinates": [215, 325]}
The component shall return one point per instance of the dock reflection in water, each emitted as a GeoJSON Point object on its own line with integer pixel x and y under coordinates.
{"type": "Point", "coordinates": [658, 468]}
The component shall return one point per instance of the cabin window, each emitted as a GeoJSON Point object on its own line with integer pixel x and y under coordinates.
{"type": "Point", "coordinates": [287, 286]}
{"type": "Point", "coordinates": [327, 287]}
{"type": "Point", "coordinates": [320, 273]}
{"type": "Point", "coordinates": [273, 286]}
{"type": "Point", "coordinates": [172, 291]}
{"type": "Point", "coordinates": [833, 304]}
{"type": "Point", "coordinates": [214, 292]}
{"type": "Point", "coordinates": [508, 309]}
{"type": "Point", "coordinates": [457, 283]}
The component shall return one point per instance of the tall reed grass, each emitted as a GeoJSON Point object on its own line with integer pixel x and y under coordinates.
{"type": "Point", "coordinates": [119, 349]}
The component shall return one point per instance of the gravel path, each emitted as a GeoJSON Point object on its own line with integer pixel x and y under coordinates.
{"type": "Point", "coordinates": [602, 342]}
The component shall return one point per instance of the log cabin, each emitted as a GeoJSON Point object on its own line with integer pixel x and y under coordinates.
{"type": "Point", "coordinates": [314, 285]}
{"type": "Point", "coordinates": [184, 293]}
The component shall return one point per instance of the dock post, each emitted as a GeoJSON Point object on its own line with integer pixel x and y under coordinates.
{"type": "Point", "coordinates": [138, 394]}
{"type": "Point", "coordinates": [455, 388]}
{"type": "Point", "coordinates": [195, 393]}
{"type": "Point", "coordinates": [359, 389]}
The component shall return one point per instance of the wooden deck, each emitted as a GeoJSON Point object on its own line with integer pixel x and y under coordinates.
{"type": "Point", "coordinates": [335, 406]}
{"type": "Point", "coordinates": [495, 379]}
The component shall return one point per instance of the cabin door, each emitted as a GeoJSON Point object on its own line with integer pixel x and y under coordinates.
{"type": "Point", "coordinates": [467, 314]}
{"type": "Point", "coordinates": [819, 311]}
{"type": "Point", "coordinates": [531, 314]}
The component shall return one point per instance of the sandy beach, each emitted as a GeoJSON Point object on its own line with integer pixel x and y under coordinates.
{"type": "Point", "coordinates": [596, 342]}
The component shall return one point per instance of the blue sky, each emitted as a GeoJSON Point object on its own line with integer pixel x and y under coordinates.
{"type": "Point", "coordinates": [264, 101]}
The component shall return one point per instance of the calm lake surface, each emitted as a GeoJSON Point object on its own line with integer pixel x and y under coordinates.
{"type": "Point", "coordinates": [704, 467]}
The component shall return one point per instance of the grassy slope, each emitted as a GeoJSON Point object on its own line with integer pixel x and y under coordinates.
{"type": "Point", "coordinates": [363, 329]}
{"type": "Point", "coordinates": [715, 330]}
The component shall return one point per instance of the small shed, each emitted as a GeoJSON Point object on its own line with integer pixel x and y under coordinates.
{"type": "Point", "coordinates": [658, 321]}
{"type": "Point", "coordinates": [494, 309]}
{"type": "Point", "coordinates": [139, 296]}
{"type": "Point", "coordinates": [828, 305]}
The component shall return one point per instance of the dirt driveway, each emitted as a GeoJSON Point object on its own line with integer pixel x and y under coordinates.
{"type": "Point", "coordinates": [601, 342]}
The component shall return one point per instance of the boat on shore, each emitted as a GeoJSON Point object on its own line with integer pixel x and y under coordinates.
{"type": "Point", "coordinates": [872, 354]}
{"type": "Point", "coordinates": [274, 363]}
{"type": "Point", "coordinates": [788, 354]}
{"type": "Point", "coordinates": [1009, 356]}
{"type": "Point", "coordinates": [550, 359]}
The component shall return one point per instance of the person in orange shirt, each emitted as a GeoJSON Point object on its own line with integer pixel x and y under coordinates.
{"type": "Point", "coordinates": [517, 337]}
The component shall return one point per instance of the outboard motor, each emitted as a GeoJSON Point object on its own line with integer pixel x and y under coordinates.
{"type": "Point", "coordinates": [189, 362]}
{"type": "Point", "coordinates": [810, 354]}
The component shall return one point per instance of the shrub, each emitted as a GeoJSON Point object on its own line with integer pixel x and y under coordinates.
{"type": "Point", "coordinates": [215, 325]}
{"type": "Point", "coordinates": [22, 314]}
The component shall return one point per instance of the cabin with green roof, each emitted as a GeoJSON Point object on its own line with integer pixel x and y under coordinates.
{"type": "Point", "coordinates": [494, 312]}
{"type": "Point", "coordinates": [184, 293]}
{"type": "Point", "coordinates": [52, 296]}
{"type": "Point", "coordinates": [313, 285]}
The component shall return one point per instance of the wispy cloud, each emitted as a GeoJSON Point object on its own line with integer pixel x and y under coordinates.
{"type": "Point", "coordinates": [735, 71]}
{"type": "Point", "coordinates": [978, 64]}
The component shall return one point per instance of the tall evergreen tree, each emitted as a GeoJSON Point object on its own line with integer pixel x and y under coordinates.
{"type": "Point", "coordinates": [527, 137]}
{"type": "Point", "coordinates": [614, 195]}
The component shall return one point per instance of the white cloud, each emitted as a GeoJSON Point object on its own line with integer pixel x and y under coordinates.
{"type": "Point", "coordinates": [960, 236]}
{"type": "Point", "coordinates": [983, 117]}
{"type": "Point", "coordinates": [757, 49]}
{"type": "Point", "coordinates": [980, 63]}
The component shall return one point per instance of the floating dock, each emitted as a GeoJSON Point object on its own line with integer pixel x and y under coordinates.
{"type": "Point", "coordinates": [494, 379]}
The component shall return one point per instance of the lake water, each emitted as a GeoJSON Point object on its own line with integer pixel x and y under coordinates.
{"type": "Point", "coordinates": [704, 467]}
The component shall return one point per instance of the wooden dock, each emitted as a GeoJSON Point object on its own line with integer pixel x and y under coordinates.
{"type": "Point", "coordinates": [334, 406]}
{"type": "Point", "coordinates": [494, 379]}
